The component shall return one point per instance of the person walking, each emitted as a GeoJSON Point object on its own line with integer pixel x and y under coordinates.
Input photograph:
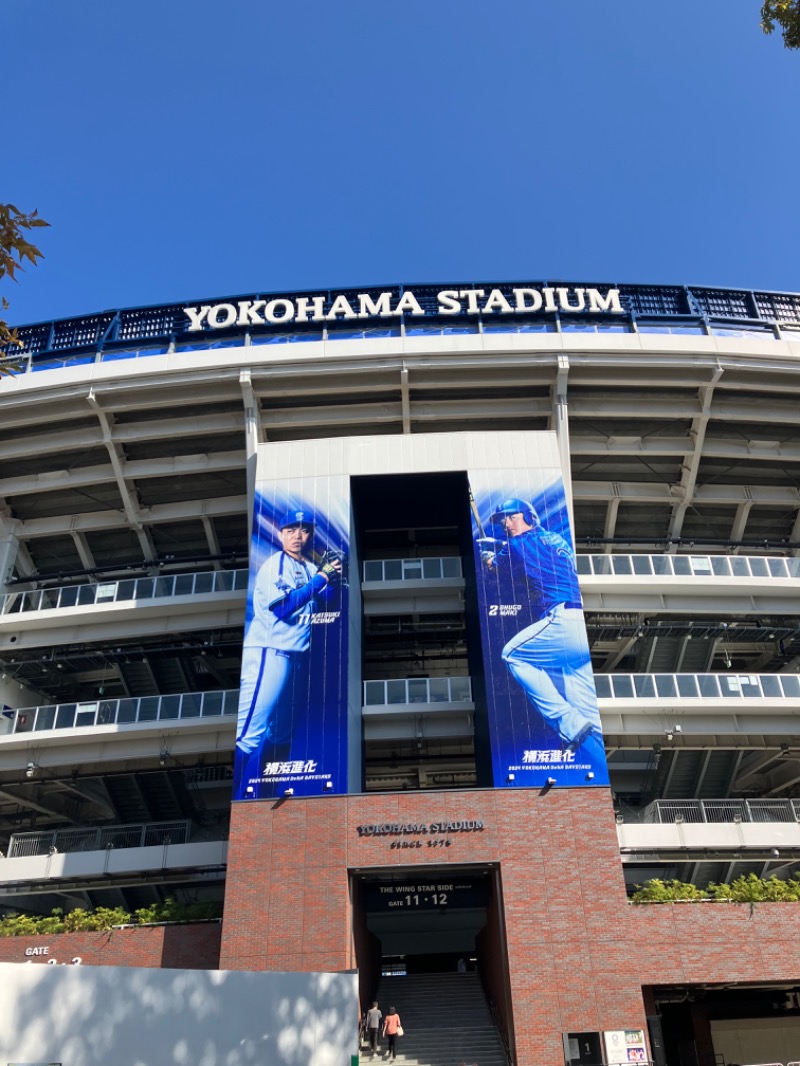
{"type": "Point", "coordinates": [373, 1021]}
{"type": "Point", "coordinates": [391, 1030]}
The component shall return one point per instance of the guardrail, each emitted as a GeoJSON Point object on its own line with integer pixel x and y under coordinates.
{"type": "Point", "coordinates": [127, 711]}
{"type": "Point", "coordinates": [698, 686]}
{"type": "Point", "coordinates": [418, 690]}
{"type": "Point", "coordinates": [437, 567]}
{"type": "Point", "coordinates": [687, 566]}
{"type": "Point", "coordinates": [716, 811]}
{"type": "Point", "coordinates": [135, 588]}
{"type": "Point", "coordinates": [143, 835]}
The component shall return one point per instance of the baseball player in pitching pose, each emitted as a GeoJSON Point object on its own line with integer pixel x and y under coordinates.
{"type": "Point", "coordinates": [276, 644]}
{"type": "Point", "coordinates": [550, 658]}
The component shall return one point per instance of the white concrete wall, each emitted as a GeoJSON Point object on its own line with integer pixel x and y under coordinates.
{"type": "Point", "coordinates": [745, 1040]}
{"type": "Point", "coordinates": [114, 1016]}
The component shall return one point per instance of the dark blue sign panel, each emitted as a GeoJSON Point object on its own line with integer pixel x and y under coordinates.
{"type": "Point", "coordinates": [543, 718]}
{"type": "Point", "coordinates": [292, 726]}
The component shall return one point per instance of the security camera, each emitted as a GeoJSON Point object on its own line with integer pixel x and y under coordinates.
{"type": "Point", "coordinates": [31, 769]}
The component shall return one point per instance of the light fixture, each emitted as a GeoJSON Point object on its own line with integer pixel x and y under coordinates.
{"type": "Point", "coordinates": [249, 792]}
{"type": "Point", "coordinates": [288, 792]}
{"type": "Point", "coordinates": [328, 786]}
{"type": "Point", "coordinates": [510, 779]}
{"type": "Point", "coordinates": [590, 776]}
{"type": "Point", "coordinates": [776, 853]}
{"type": "Point", "coordinates": [550, 781]}
{"type": "Point", "coordinates": [30, 770]}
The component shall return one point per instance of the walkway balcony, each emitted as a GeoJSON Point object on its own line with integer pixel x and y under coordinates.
{"type": "Point", "coordinates": [413, 586]}
{"type": "Point", "coordinates": [675, 583]}
{"type": "Point", "coordinates": [418, 707]}
{"type": "Point", "coordinates": [111, 610]}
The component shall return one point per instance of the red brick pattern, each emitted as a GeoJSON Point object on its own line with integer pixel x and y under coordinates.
{"type": "Point", "coordinates": [180, 947]}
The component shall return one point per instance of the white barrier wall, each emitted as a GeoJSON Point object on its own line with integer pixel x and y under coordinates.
{"type": "Point", "coordinates": [102, 1015]}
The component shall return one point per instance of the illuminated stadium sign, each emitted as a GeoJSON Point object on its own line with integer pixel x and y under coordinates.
{"type": "Point", "coordinates": [365, 305]}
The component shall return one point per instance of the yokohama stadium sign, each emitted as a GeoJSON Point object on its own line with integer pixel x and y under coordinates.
{"type": "Point", "coordinates": [396, 304]}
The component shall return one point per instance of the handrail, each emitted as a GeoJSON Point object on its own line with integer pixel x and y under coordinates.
{"type": "Point", "coordinates": [716, 811]}
{"type": "Point", "coordinates": [141, 835]}
{"type": "Point", "coordinates": [412, 690]}
{"type": "Point", "coordinates": [711, 566]}
{"type": "Point", "coordinates": [679, 686]}
{"type": "Point", "coordinates": [124, 591]}
{"type": "Point", "coordinates": [128, 710]}
{"type": "Point", "coordinates": [426, 569]}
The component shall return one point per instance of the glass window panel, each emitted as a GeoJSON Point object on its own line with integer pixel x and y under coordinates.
{"type": "Point", "coordinates": [623, 685]}
{"type": "Point", "coordinates": [170, 707]}
{"type": "Point", "coordinates": [622, 564]}
{"type": "Point", "coordinates": [642, 564]}
{"type": "Point", "coordinates": [729, 685]}
{"type": "Point", "coordinates": [771, 685]}
{"type": "Point", "coordinates": [393, 570]}
{"type": "Point", "coordinates": [749, 684]}
{"type": "Point", "coordinates": [431, 568]}
{"type": "Point", "coordinates": [665, 685]}
{"type": "Point", "coordinates": [687, 685]}
{"type": "Point", "coordinates": [396, 692]}
{"type": "Point", "coordinates": [106, 712]}
{"type": "Point", "coordinates": [69, 596]}
{"type": "Point", "coordinates": [777, 567]}
{"type": "Point", "coordinates": [662, 564]}
{"type": "Point", "coordinates": [241, 580]}
{"type": "Point", "coordinates": [127, 711]}
{"type": "Point", "coordinates": [373, 570]}
{"type": "Point", "coordinates": [681, 564]}
{"type": "Point", "coordinates": [793, 567]}
{"type": "Point", "coordinates": [184, 584]}
{"type": "Point", "coordinates": [460, 689]}
{"type": "Point", "coordinates": [602, 565]}
{"type": "Point", "coordinates": [204, 582]}
{"type": "Point", "coordinates": [791, 685]}
{"type": "Point", "coordinates": [701, 564]}
{"type": "Point", "coordinates": [45, 718]}
{"type": "Point", "coordinates": [412, 569]}
{"type": "Point", "coordinates": [374, 693]}
{"type": "Point", "coordinates": [85, 716]}
{"type": "Point", "coordinates": [65, 716]}
{"type": "Point", "coordinates": [144, 588]}
{"type": "Point", "coordinates": [230, 701]}
{"type": "Point", "coordinates": [223, 581]}
{"type": "Point", "coordinates": [602, 684]}
{"type": "Point", "coordinates": [439, 689]}
{"type": "Point", "coordinates": [719, 566]}
{"type": "Point", "coordinates": [164, 586]}
{"type": "Point", "coordinates": [758, 567]}
{"type": "Point", "coordinates": [213, 704]}
{"type": "Point", "coordinates": [105, 592]}
{"type": "Point", "coordinates": [86, 595]}
{"type": "Point", "coordinates": [708, 685]}
{"type": "Point", "coordinates": [739, 567]}
{"type": "Point", "coordinates": [191, 705]}
{"type": "Point", "coordinates": [644, 686]}
{"type": "Point", "coordinates": [126, 590]}
{"type": "Point", "coordinates": [583, 564]}
{"type": "Point", "coordinates": [148, 708]}
{"type": "Point", "coordinates": [451, 566]}
{"type": "Point", "coordinates": [417, 690]}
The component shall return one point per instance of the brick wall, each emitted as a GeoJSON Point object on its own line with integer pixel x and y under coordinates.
{"type": "Point", "coordinates": [182, 947]}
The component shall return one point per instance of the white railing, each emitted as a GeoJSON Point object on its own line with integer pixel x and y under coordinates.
{"type": "Point", "coordinates": [144, 835]}
{"type": "Point", "coordinates": [124, 591]}
{"type": "Point", "coordinates": [127, 711]}
{"type": "Point", "coordinates": [432, 569]}
{"type": "Point", "coordinates": [418, 690]}
{"type": "Point", "coordinates": [717, 811]}
{"type": "Point", "coordinates": [698, 686]}
{"type": "Point", "coordinates": [688, 566]}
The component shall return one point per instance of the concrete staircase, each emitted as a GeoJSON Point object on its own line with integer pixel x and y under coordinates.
{"type": "Point", "coordinates": [445, 1018]}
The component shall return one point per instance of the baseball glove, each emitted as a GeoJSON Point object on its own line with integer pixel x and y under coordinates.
{"type": "Point", "coordinates": [334, 574]}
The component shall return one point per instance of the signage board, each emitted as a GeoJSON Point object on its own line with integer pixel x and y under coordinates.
{"type": "Point", "coordinates": [544, 722]}
{"type": "Point", "coordinates": [432, 892]}
{"type": "Point", "coordinates": [623, 1046]}
{"type": "Point", "coordinates": [291, 736]}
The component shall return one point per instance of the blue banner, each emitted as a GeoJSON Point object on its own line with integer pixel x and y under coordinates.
{"type": "Point", "coordinates": [544, 723]}
{"type": "Point", "coordinates": [291, 736]}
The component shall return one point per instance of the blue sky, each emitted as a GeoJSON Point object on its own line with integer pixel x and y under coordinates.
{"type": "Point", "coordinates": [184, 150]}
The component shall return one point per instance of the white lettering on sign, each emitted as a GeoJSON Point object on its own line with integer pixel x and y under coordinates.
{"type": "Point", "coordinates": [37, 951]}
{"type": "Point", "coordinates": [388, 305]}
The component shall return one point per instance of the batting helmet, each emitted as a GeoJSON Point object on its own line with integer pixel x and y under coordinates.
{"type": "Point", "coordinates": [514, 506]}
{"type": "Point", "coordinates": [297, 518]}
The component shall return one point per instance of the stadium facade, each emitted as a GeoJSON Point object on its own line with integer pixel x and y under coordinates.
{"type": "Point", "coordinates": [354, 523]}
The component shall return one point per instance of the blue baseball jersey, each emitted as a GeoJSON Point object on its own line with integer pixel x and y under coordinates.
{"type": "Point", "coordinates": [549, 566]}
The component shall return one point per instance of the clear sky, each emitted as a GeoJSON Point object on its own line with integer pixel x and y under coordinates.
{"type": "Point", "coordinates": [185, 149]}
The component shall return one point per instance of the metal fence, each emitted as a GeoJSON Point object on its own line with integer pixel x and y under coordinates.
{"type": "Point", "coordinates": [698, 686]}
{"type": "Point", "coordinates": [418, 690]}
{"type": "Point", "coordinates": [688, 566]}
{"type": "Point", "coordinates": [127, 711]}
{"type": "Point", "coordinates": [141, 588]}
{"type": "Point", "coordinates": [144, 835]}
{"type": "Point", "coordinates": [412, 569]}
{"type": "Point", "coordinates": [717, 811]}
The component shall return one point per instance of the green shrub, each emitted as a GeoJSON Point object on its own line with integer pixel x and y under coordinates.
{"type": "Point", "coordinates": [658, 891]}
{"type": "Point", "coordinates": [102, 918]}
{"type": "Point", "coordinates": [745, 889]}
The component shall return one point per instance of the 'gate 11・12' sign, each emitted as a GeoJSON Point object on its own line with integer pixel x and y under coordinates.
{"type": "Point", "coordinates": [432, 894]}
{"type": "Point", "coordinates": [370, 305]}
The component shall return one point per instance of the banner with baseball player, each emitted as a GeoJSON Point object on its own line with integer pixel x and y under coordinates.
{"type": "Point", "coordinates": [291, 736]}
{"type": "Point", "coordinates": [544, 722]}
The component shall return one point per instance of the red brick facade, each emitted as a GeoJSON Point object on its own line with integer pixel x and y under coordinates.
{"type": "Point", "coordinates": [578, 953]}
{"type": "Point", "coordinates": [179, 947]}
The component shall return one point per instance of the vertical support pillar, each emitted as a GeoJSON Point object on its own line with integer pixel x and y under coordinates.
{"type": "Point", "coordinates": [560, 422]}
{"type": "Point", "coordinates": [9, 546]}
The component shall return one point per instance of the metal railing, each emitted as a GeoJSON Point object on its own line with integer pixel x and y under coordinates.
{"type": "Point", "coordinates": [124, 591]}
{"type": "Point", "coordinates": [687, 566]}
{"type": "Point", "coordinates": [698, 686]}
{"type": "Point", "coordinates": [127, 711]}
{"type": "Point", "coordinates": [418, 690]}
{"type": "Point", "coordinates": [716, 811]}
{"type": "Point", "coordinates": [413, 569]}
{"type": "Point", "coordinates": [144, 835]}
